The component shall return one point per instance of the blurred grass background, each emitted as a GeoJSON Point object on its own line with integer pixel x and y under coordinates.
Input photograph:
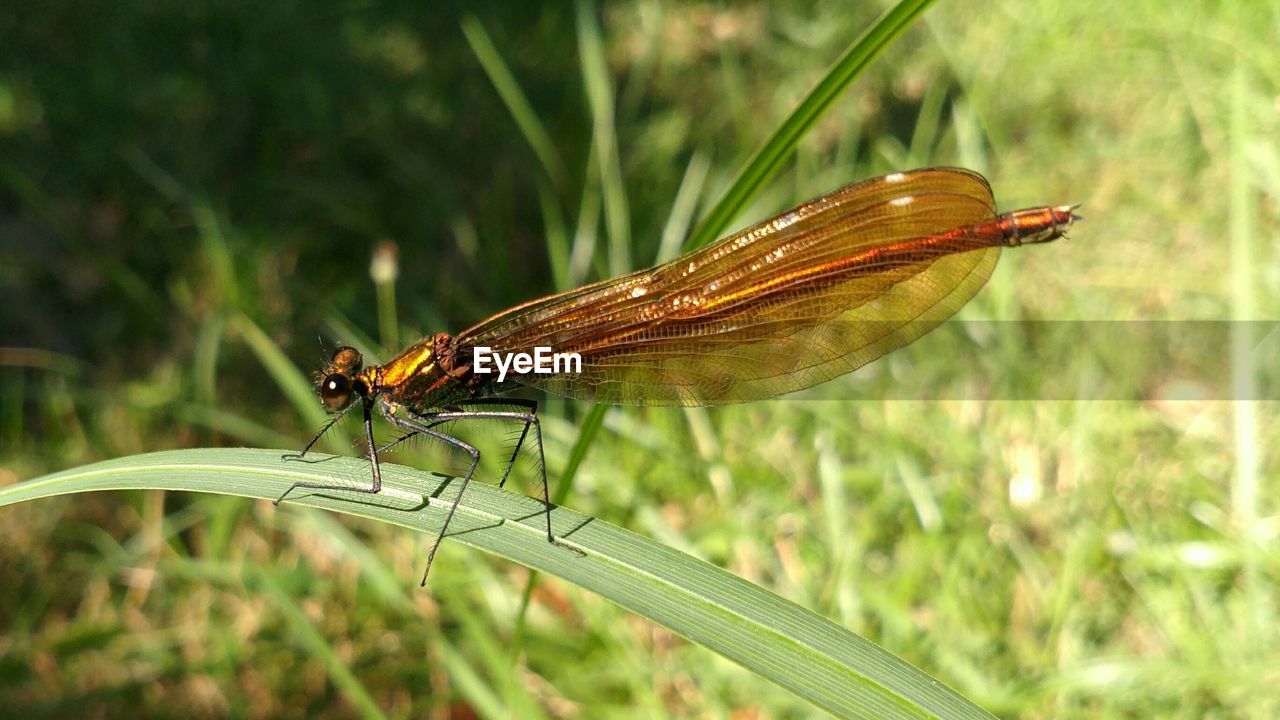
{"type": "Point", "coordinates": [191, 194]}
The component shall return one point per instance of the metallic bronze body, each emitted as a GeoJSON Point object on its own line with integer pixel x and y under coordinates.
{"type": "Point", "coordinates": [783, 305]}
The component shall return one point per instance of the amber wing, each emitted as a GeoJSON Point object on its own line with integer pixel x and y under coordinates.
{"type": "Point", "coordinates": [780, 306]}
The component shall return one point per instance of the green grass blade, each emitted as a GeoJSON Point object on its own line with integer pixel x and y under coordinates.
{"type": "Point", "coordinates": [217, 253]}
{"type": "Point", "coordinates": [582, 252]}
{"type": "Point", "coordinates": [796, 648]}
{"type": "Point", "coordinates": [311, 640]}
{"type": "Point", "coordinates": [769, 158]}
{"type": "Point", "coordinates": [468, 683]}
{"type": "Point", "coordinates": [281, 369]}
{"type": "Point", "coordinates": [232, 424]}
{"type": "Point", "coordinates": [205, 363]}
{"type": "Point", "coordinates": [1247, 486]}
{"type": "Point", "coordinates": [599, 86]}
{"type": "Point", "coordinates": [683, 207]}
{"type": "Point", "coordinates": [588, 429]}
{"type": "Point", "coordinates": [504, 81]}
{"type": "Point", "coordinates": [557, 236]}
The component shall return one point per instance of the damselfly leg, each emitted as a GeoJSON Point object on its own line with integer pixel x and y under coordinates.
{"type": "Point", "coordinates": [368, 433]}
{"type": "Point", "coordinates": [424, 425]}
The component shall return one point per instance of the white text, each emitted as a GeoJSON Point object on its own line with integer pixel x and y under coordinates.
{"type": "Point", "coordinates": [542, 361]}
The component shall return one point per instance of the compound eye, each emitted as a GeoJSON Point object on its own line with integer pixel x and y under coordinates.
{"type": "Point", "coordinates": [335, 392]}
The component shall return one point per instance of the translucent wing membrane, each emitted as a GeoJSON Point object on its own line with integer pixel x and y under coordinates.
{"type": "Point", "coordinates": [780, 306]}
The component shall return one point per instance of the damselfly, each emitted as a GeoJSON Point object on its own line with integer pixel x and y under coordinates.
{"type": "Point", "coordinates": [783, 305]}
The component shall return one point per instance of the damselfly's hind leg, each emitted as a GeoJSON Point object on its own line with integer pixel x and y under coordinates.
{"type": "Point", "coordinates": [528, 416]}
{"type": "Point", "coordinates": [432, 420]}
{"type": "Point", "coordinates": [424, 427]}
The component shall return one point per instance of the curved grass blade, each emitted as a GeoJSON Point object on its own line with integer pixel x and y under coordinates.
{"type": "Point", "coordinates": [769, 158]}
{"type": "Point", "coordinates": [796, 648]}
{"type": "Point", "coordinates": [587, 431]}
{"type": "Point", "coordinates": [504, 81]}
{"type": "Point", "coordinates": [599, 87]}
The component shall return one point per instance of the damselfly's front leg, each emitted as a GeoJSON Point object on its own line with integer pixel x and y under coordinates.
{"type": "Point", "coordinates": [316, 438]}
{"type": "Point", "coordinates": [373, 456]}
{"type": "Point", "coordinates": [374, 451]}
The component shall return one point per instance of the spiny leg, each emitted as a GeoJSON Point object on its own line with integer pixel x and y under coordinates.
{"type": "Point", "coordinates": [392, 443]}
{"type": "Point", "coordinates": [373, 460]}
{"type": "Point", "coordinates": [316, 438]}
{"type": "Point", "coordinates": [424, 426]}
{"type": "Point", "coordinates": [528, 417]}
{"type": "Point", "coordinates": [531, 405]}
{"type": "Point", "coordinates": [531, 411]}
{"type": "Point", "coordinates": [415, 427]}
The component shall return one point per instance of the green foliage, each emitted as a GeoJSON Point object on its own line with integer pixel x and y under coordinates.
{"type": "Point", "coordinates": [779, 640]}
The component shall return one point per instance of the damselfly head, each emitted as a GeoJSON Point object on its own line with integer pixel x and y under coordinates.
{"type": "Point", "coordinates": [338, 386]}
